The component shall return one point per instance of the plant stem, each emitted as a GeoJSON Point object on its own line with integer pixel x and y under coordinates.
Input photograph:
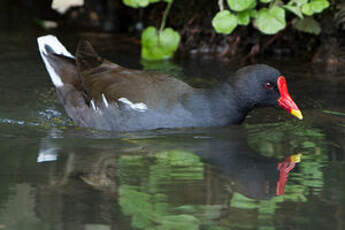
{"type": "Point", "coordinates": [221, 5]}
{"type": "Point", "coordinates": [165, 15]}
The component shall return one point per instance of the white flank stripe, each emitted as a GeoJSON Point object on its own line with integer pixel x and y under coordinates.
{"type": "Point", "coordinates": [58, 48]}
{"type": "Point", "coordinates": [105, 100]}
{"type": "Point", "coordinates": [140, 107]}
{"type": "Point", "coordinates": [93, 105]}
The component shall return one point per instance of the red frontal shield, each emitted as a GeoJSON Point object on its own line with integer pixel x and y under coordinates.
{"type": "Point", "coordinates": [285, 100]}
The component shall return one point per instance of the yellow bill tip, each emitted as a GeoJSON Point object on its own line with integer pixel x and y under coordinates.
{"type": "Point", "coordinates": [296, 158]}
{"type": "Point", "coordinates": [297, 113]}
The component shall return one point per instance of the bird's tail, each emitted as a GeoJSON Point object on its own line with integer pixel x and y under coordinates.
{"type": "Point", "coordinates": [59, 63]}
{"type": "Point", "coordinates": [62, 68]}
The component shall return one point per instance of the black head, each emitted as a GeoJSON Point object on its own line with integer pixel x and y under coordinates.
{"type": "Point", "coordinates": [262, 85]}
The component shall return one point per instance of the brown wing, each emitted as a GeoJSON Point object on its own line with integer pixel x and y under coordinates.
{"type": "Point", "coordinates": [100, 76]}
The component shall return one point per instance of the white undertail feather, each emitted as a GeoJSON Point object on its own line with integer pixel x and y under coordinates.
{"type": "Point", "coordinates": [58, 48]}
{"type": "Point", "coordinates": [140, 107]}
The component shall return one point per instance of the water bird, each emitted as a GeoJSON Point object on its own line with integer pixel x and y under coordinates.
{"type": "Point", "coordinates": [99, 94]}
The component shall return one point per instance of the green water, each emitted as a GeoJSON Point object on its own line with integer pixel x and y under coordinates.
{"type": "Point", "coordinates": [58, 176]}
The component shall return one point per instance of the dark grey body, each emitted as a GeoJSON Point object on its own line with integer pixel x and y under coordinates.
{"type": "Point", "coordinates": [199, 109]}
{"type": "Point", "coordinates": [92, 88]}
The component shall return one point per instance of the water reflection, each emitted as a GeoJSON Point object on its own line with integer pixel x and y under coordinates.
{"type": "Point", "coordinates": [188, 180]}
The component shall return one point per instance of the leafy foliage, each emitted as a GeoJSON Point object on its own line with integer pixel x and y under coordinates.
{"type": "Point", "coordinates": [136, 3]}
{"type": "Point", "coordinates": [270, 21]}
{"type": "Point", "coordinates": [314, 6]}
{"type": "Point", "coordinates": [242, 5]}
{"type": "Point", "coordinates": [151, 210]}
{"type": "Point", "coordinates": [141, 3]}
{"type": "Point", "coordinates": [243, 18]}
{"type": "Point", "coordinates": [269, 16]}
{"type": "Point", "coordinates": [269, 143]}
{"type": "Point", "coordinates": [309, 25]}
{"type": "Point", "coordinates": [159, 45]}
{"type": "Point", "coordinates": [224, 22]}
{"type": "Point", "coordinates": [293, 9]}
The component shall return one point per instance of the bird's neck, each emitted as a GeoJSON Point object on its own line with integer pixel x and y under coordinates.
{"type": "Point", "coordinates": [229, 102]}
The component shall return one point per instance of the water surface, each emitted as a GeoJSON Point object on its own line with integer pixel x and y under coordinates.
{"type": "Point", "coordinates": [55, 175]}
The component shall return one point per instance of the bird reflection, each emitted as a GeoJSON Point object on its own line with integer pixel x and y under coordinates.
{"type": "Point", "coordinates": [224, 151]}
{"type": "Point", "coordinates": [247, 171]}
{"type": "Point", "coordinates": [112, 175]}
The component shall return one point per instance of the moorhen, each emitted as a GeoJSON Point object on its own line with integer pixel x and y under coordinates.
{"type": "Point", "coordinates": [97, 93]}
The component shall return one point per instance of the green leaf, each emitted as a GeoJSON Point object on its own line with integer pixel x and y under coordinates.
{"type": "Point", "coordinates": [149, 37]}
{"type": "Point", "coordinates": [252, 5]}
{"type": "Point", "coordinates": [243, 18]}
{"type": "Point", "coordinates": [169, 39]}
{"type": "Point", "coordinates": [308, 25]}
{"type": "Point", "coordinates": [270, 21]}
{"type": "Point", "coordinates": [241, 5]}
{"type": "Point", "coordinates": [253, 13]}
{"type": "Point", "coordinates": [159, 46]}
{"type": "Point", "coordinates": [298, 2]}
{"type": "Point", "coordinates": [136, 3]}
{"type": "Point", "coordinates": [294, 9]}
{"type": "Point", "coordinates": [315, 6]}
{"type": "Point", "coordinates": [224, 22]}
{"type": "Point", "coordinates": [265, 1]}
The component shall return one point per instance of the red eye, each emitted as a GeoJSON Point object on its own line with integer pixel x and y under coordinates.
{"type": "Point", "coordinates": [268, 85]}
